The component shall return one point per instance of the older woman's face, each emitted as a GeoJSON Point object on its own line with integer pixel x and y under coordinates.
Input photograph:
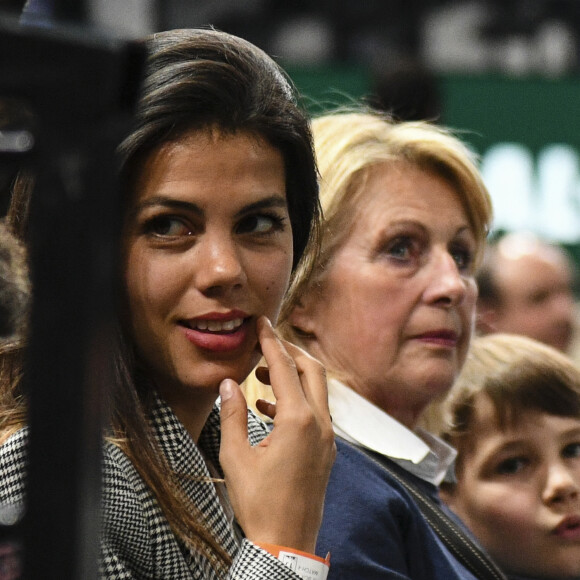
{"type": "Point", "coordinates": [396, 306]}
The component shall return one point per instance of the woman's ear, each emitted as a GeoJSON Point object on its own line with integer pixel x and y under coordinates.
{"type": "Point", "coordinates": [301, 317]}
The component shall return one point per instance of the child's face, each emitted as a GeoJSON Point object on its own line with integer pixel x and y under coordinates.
{"type": "Point", "coordinates": [519, 491]}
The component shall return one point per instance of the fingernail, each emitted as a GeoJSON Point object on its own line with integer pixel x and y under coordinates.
{"type": "Point", "coordinates": [226, 389]}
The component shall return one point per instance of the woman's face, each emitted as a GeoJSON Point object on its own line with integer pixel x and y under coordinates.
{"type": "Point", "coordinates": [519, 491]}
{"type": "Point", "coordinates": [395, 311]}
{"type": "Point", "coordinates": [207, 250]}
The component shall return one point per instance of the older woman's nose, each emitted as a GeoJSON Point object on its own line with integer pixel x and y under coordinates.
{"type": "Point", "coordinates": [445, 284]}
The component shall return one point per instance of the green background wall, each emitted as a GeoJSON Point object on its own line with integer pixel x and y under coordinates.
{"type": "Point", "coordinates": [533, 112]}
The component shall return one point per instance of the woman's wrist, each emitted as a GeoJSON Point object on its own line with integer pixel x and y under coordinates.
{"type": "Point", "coordinates": [308, 566]}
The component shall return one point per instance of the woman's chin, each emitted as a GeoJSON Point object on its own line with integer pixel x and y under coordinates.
{"type": "Point", "coordinates": [438, 383]}
{"type": "Point", "coordinates": [210, 377]}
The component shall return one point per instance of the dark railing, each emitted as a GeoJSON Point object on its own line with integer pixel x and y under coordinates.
{"type": "Point", "coordinates": [81, 89]}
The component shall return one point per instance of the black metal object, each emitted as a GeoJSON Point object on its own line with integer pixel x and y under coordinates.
{"type": "Point", "coordinates": [82, 89]}
{"type": "Point", "coordinates": [49, 12]}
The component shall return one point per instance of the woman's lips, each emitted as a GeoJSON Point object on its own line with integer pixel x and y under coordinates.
{"type": "Point", "coordinates": [217, 332]}
{"type": "Point", "coordinates": [446, 338]}
{"type": "Point", "coordinates": [216, 325]}
{"type": "Point", "coordinates": [569, 528]}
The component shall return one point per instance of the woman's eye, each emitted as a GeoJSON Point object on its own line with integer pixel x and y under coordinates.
{"type": "Point", "coordinates": [512, 465]}
{"type": "Point", "coordinates": [167, 226]}
{"type": "Point", "coordinates": [572, 450]}
{"type": "Point", "coordinates": [260, 224]}
{"type": "Point", "coordinates": [463, 257]}
{"type": "Point", "coordinates": [401, 248]}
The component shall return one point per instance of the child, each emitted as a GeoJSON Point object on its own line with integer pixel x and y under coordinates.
{"type": "Point", "coordinates": [515, 416]}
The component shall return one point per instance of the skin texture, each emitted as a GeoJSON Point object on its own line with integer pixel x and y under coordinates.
{"type": "Point", "coordinates": [394, 312]}
{"type": "Point", "coordinates": [515, 487]}
{"type": "Point", "coordinates": [197, 246]}
{"type": "Point", "coordinates": [208, 238]}
{"type": "Point", "coordinates": [537, 296]}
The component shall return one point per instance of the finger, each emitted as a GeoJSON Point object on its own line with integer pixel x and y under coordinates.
{"type": "Point", "coordinates": [234, 420]}
{"type": "Point", "coordinates": [295, 376]}
{"type": "Point", "coordinates": [266, 408]}
{"type": "Point", "coordinates": [281, 368]}
{"type": "Point", "coordinates": [312, 376]}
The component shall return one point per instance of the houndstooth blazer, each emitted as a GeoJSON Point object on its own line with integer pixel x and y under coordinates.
{"type": "Point", "coordinates": [137, 541]}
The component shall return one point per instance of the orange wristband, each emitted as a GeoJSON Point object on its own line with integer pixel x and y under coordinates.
{"type": "Point", "coordinates": [307, 566]}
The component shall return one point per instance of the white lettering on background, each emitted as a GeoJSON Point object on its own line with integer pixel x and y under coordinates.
{"type": "Point", "coordinates": [540, 194]}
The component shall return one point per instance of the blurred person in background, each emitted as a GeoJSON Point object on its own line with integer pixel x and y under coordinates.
{"type": "Point", "coordinates": [408, 92]}
{"type": "Point", "coordinates": [526, 286]}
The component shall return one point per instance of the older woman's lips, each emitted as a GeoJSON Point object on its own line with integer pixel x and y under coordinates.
{"type": "Point", "coordinates": [444, 338]}
{"type": "Point", "coordinates": [569, 529]}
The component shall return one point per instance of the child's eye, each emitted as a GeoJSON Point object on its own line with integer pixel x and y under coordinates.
{"type": "Point", "coordinates": [260, 224]}
{"type": "Point", "coordinates": [167, 226]}
{"type": "Point", "coordinates": [512, 465]}
{"type": "Point", "coordinates": [571, 451]}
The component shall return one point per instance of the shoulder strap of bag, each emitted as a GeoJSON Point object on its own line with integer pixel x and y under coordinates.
{"type": "Point", "coordinates": [457, 541]}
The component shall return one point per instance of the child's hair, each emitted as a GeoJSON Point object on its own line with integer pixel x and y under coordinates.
{"type": "Point", "coordinates": [516, 374]}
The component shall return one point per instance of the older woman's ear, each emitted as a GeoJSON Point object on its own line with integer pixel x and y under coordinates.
{"type": "Point", "coordinates": [302, 319]}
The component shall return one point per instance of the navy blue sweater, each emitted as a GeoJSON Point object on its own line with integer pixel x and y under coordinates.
{"type": "Point", "coordinates": [373, 528]}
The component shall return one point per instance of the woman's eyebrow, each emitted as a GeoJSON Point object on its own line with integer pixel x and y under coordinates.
{"type": "Point", "coordinates": [273, 201]}
{"type": "Point", "coordinates": [168, 203]}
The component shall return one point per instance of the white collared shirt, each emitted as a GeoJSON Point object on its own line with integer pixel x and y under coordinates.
{"type": "Point", "coordinates": [365, 425]}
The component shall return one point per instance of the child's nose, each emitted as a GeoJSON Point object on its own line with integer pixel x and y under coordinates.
{"type": "Point", "coordinates": [562, 485]}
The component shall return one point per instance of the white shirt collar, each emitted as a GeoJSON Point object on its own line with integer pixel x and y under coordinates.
{"type": "Point", "coordinates": [364, 424]}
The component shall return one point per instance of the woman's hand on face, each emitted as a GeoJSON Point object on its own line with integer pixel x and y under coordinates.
{"type": "Point", "coordinates": [277, 487]}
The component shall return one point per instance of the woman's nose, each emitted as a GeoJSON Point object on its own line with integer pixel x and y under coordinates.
{"type": "Point", "coordinates": [218, 263]}
{"type": "Point", "coordinates": [562, 485]}
{"type": "Point", "coordinates": [447, 285]}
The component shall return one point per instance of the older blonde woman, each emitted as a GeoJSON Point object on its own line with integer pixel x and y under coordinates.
{"type": "Point", "coordinates": [390, 312]}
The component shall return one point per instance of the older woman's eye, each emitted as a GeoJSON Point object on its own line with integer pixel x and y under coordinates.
{"type": "Point", "coordinates": [167, 226]}
{"type": "Point", "coordinates": [261, 224]}
{"type": "Point", "coordinates": [401, 248]}
{"type": "Point", "coordinates": [462, 256]}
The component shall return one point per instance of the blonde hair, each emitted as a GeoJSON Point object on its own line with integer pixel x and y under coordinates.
{"type": "Point", "coordinates": [515, 373]}
{"type": "Point", "coordinates": [348, 144]}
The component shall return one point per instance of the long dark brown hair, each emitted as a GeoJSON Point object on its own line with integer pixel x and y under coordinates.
{"type": "Point", "coordinates": [194, 80]}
